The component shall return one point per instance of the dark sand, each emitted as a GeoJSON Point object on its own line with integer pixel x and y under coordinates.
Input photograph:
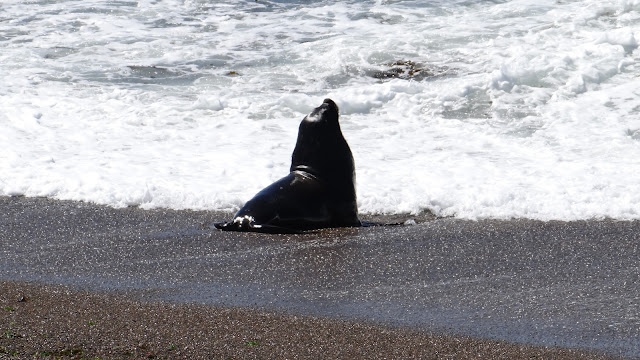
{"type": "Point", "coordinates": [54, 322]}
{"type": "Point", "coordinates": [135, 277]}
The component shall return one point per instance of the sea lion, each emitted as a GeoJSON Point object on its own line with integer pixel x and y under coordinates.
{"type": "Point", "coordinates": [319, 191]}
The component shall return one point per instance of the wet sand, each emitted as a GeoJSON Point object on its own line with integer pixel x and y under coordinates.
{"type": "Point", "coordinates": [368, 292]}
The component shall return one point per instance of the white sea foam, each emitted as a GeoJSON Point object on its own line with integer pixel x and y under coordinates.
{"type": "Point", "coordinates": [518, 108]}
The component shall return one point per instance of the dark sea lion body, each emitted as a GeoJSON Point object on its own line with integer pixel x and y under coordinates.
{"type": "Point", "coordinates": [319, 191]}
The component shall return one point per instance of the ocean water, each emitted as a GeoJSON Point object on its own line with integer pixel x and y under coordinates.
{"type": "Point", "coordinates": [468, 108]}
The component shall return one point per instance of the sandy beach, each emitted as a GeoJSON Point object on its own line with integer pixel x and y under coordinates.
{"type": "Point", "coordinates": [84, 281]}
{"type": "Point", "coordinates": [55, 322]}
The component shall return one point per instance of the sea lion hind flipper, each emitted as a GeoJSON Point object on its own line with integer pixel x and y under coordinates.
{"type": "Point", "coordinates": [371, 224]}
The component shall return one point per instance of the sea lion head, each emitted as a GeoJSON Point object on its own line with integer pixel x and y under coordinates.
{"type": "Point", "coordinates": [326, 113]}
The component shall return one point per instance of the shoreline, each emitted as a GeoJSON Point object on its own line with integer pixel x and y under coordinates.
{"type": "Point", "coordinates": [45, 321]}
{"type": "Point", "coordinates": [574, 285]}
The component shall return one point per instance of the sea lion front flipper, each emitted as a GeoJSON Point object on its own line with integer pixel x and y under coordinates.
{"type": "Point", "coordinates": [245, 224]}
